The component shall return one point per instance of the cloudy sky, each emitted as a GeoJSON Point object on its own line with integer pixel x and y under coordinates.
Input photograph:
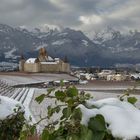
{"type": "Point", "coordinates": [86, 15]}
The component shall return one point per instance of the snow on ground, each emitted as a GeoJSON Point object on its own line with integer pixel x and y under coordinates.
{"type": "Point", "coordinates": [16, 80]}
{"type": "Point", "coordinates": [34, 78]}
{"type": "Point", "coordinates": [7, 106]}
{"type": "Point", "coordinates": [40, 110]}
{"type": "Point", "coordinates": [103, 95]}
{"type": "Point", "coordinates": [122, 117]}
{"type": "Point", "coordinates": [26, 104]}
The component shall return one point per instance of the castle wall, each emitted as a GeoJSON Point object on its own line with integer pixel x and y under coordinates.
{"type": "Point", "coordinates": [46, 67]}
{"type": "Point", "coordinates": [65, 67]}
{"type": "Point", "coordinates": [36, 67]}
{"type": "Point", "coordinates": [50, 68]}
{"type": "Point", "coordinates": [32, 67]}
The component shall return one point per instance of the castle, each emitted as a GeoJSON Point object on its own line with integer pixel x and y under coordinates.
{"type": "Point", "coordinates": [43, 63]}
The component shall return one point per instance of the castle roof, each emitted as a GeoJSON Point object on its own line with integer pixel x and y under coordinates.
{"type": "Point", "coordinates": [31, 60]}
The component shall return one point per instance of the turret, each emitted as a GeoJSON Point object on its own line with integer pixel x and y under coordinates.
{"type": "Point", "coordinates": [21, 63]}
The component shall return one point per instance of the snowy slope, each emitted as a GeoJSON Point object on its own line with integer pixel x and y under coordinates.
{"type": "Point", "coordinates": [7, 107]}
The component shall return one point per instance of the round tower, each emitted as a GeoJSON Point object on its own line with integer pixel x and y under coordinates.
{"type": "Point", "coordinates": [21, 63]}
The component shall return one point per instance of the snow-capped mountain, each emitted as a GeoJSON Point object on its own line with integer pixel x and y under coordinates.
{"type": "Point", "coordinates": [107, 48]}
{"type": "Point", "coordinates": [119, 47]}
{"type": "Point", "coordinates": [67, 42]}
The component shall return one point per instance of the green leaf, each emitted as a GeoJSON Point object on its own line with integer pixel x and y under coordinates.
{"type": "Point", "coordinates": [60, 138]}
{"type": "Point", "coordinates": [72, 137]}
{"type": "Point", "coordinates": [86, 134]}
{"type": "Point", "coordinates": [40, 98]}
{"type": "Point", "coordinates": [33, 129]}
{"type": "Point", "coordinates": [98, 135]}
{"type": "Point", "coordinates": [77, 114]}
{"type": "Point", "coordinates": [50, 90]}
{"type": "Point", "coordinates": [50, 111]}
{"type": "Point", "coordinates": [61, 83]}
{"type": "Point", "coordinates": [97, 123]}
{"type": "Point", "coordinates": [66, 112]}
{"type": "Point", "coordinates": [57, 109]}
{"type": "Point", "coordinates": [45, 135]}
{"type": "Point", "coordinates": [132, 100]}
{"type": "Point", "coordinates": [59, 131]}
{"type": "Point", "coordinates": [72, 91]}
{"type": "Point", "coordinates": [69, 101]}
{"type": "Point", "coordinates": [60, 95]}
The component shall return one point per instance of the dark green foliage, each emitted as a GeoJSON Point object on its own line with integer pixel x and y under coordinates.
{"type": "Point", "coordinates": [11, 126]}
{"type": "Point", "coordinates": [40, 98]}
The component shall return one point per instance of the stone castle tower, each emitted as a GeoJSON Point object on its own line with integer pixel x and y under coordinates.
{"type": "Point", "coordinates": [43, 56]}
{"type": "Point", "coordinates": [21, 63]}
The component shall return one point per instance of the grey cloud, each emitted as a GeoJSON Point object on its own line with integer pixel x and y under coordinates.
{"type": "Point", "coordinates": [120, 14]}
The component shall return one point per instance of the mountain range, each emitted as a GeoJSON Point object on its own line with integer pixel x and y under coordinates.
{"type": "Point", "coordinates": [107, 48]}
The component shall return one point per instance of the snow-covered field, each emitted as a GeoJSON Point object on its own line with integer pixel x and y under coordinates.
{"type": "Point", "coordinates": [7, 107]}
{"type": "Point", "coordinates": [19, 78]}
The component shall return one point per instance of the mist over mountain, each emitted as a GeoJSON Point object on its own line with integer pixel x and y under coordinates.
{"type": "Point", "coordinates": [106, 49]}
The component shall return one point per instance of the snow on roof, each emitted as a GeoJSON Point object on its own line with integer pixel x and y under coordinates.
{"type": "Point", "coordinates": [49, 62]}
{"type": "Point", "coordinates": [57, 59]}
{"type": "Point", "coordinates": [50, 58]}
{"type": "Point", "coordinates": [7, 106]}
{"type": "Point", "coordinates": [123, 118]}
{"type": "Point", "coordinates": [31, 60]}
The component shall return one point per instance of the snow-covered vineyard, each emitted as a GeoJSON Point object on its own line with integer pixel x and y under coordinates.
{"type": "Point", "coordinates": [18, 94]}
{"type": "Point", "coordinates": [21, 95]}
{"type": "Point", "coordinates": [22, 79]}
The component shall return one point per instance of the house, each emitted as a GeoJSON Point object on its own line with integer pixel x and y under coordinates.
{"type": "Point", "coordinates": [104, 73]}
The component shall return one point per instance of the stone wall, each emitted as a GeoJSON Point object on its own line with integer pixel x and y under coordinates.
{"type": "Point", "coordinates": [50, 68]}
{"type": "Point", "coordinates": [32, 67]}
{"type": "Point", "coordinates": [65, 67]}
{"type": "Point", "coordinates": [38, 67]}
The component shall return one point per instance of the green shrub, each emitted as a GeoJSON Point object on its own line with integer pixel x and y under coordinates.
{"type": "Point", "coordinates": [11, 126]}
